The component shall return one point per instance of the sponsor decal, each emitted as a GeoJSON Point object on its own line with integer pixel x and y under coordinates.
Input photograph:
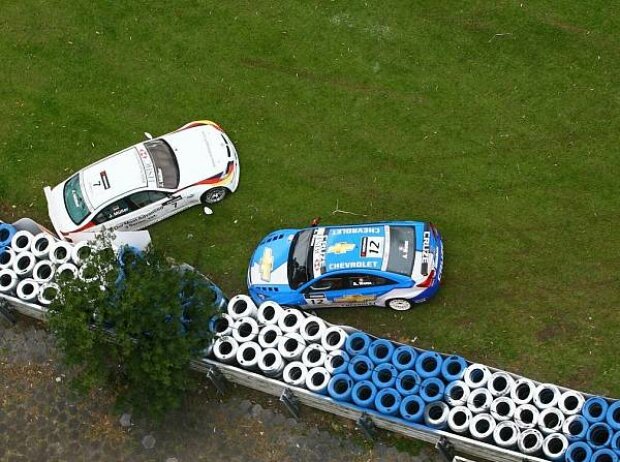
{"type": "Point", "coordinates": [353, 265]}
{"type": "Point", "coordinates": [315, 299]}
{"type": "Point", "coordinates": [426, 252]}
{"type": "Point", "coordinates": [104, 180]}
{"type": "Point", "coordinates": [319, 247]}
{"type": "Point", "coordinates": [266, 264]}
{"type": "Point", "coordinates": [149, 169]}
{"type": "Point", "coordinates": [360, 230]}
{"type": "Point", "coordinates": [372, 247]}
{"type": "Point", "coordinates": [356, 299]}
{"type": "Point", "coordinates": [404, 249]}
{"type": "Point", "coordinates": [340, 248]}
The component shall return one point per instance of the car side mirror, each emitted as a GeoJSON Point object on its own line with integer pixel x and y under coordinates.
{"type": "Point", "coordinates": [148, 136]}
{"type": "Point", "coordinates": [321, 287]}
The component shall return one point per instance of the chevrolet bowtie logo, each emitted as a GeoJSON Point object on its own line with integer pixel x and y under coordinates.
{"type": "Point", "coordinates": [266, 264]}
{"type": "Point", "coordinates": [341, 247]}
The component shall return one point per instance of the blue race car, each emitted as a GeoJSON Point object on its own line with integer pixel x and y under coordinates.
{"type": "Point", "coordinates": [394, 264]}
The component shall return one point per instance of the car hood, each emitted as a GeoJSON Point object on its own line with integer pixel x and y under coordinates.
{"type": "Point", "coordinates": [269, 263]}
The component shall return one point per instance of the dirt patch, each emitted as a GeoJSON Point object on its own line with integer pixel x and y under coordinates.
{"type": "Point", "coordinates": [563, 25]}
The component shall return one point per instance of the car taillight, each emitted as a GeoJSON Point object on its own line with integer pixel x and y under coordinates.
{"type": "Point", "coordinates": [428, 281]}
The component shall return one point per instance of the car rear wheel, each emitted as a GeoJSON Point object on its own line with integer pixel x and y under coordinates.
{"type": "Point", "coordinates": [214, 195]}
{"type": "Point", "coordinates": [399, 304]}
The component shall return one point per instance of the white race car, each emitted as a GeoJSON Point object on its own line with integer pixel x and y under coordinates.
{"type": "Point", "coordinates": [147, 182]}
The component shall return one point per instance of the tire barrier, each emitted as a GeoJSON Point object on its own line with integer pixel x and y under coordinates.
{"type": "Point", "coordinates": [604, 455]}
{"type": "Point", "coordinates": [595, 409]}
{"type": "Point", "coordinates": [360, 368]}
{"type": "Point", "coordinates": [384, 375]}
{"type": "Point", "coordinates": [7, 232]}
{"type": "Point", "coordinates": [482, 426]}
{"type": "Point", "coordinates": [555, 446]}
{"type": "Point", "coordinates": [248, 354]}
{"type": "Point", "coordinates": [506, 434]}
{"type": "Point", "coordinates": [457, 393]}
{"type": "Point", "coordinates": [67, 270]}
{"type": "Point", "coordinates": [428, 364]}
{"type": "Point", "coordinates": [613, 416]}
{"type": "Point", "coordinates": [241, 306]}
{"type": "Point", "coordinates": [550, 420]}
{"type": "Point", "coordinates": [436, 415]}
{"type": "Point", "coordinates": [459, 419]}
{"type": "Point", "coordinates": [295, 373]}
{"type": "Point", "coordinates": [269, 313]}
{"type": "Point", "coordinates": [387, 401]}
{"type": "Point", "coordinates": [270, 362]}
{"type": "Point", "coordinates": [364, 393]}
{"type": "Point", "coordinates": [546, 396]}
{"type": "Point", "coordinates": [337, 362]}
{"type": "Point", "coordinates": [333, 338]}
{"type": "Point", "coordinates": [526, 416]}
{"type": "Point", "coordinates": [312, 329]}
{"type": "Point", "coordinates": [221, 325]}
{"type": "Point", "coordinates": [523, 391]}
{"type": "Point", "coordinates": [479, 400]}
{"type": "Point", "coordinates": [412, 408]}
{"type": "Point", "coordinates": [225, 349]}
{"type": "Point", "coordinates": [245, 330]}
{"type": "Point", "coordinates": [453, 368]}
{"type": "Point", "coordinates": [41, 245]}
{"type": "Point", "coordinates": [27, 290]}
{"type": "Point", "coordinates": [575, 427]}
{"type": "Point", "coordinates": [476, 376]}
{"type": "Point", "coordinates": [21, 241]}
{"type": "Point", "coordinates": [432, 389]}
{"type": "Point", "coordinates": [60, 252]}
{"type": "Point", "coordinates": [340, 387]}
{"type": "Point", "coordinates": [291, 346]}
{"type": "Point", "coordinates": [43, 271]}
{"type": "Point", "coordinates": [7, 255]}
{"type": "Point", "coordinates": [269, 336]}
{"type": "Point", "coordinates": [530, 442]}
{"type": "Point", "coordinates": [357, 343]}
{"type": "Point", "coordinates": [314, 355]}
{"type": "Point", "coordinates": [599, 435]}
{"type": "Point", "coordinates": [500, 384]}
{"type": "Point", "coordinates": [380, 351]}
{"type": "Point", "coordinates": [81, 252]}
{"type": "Point", "coordinates": [503, 409]}
{"type": "Point", "coordinates": [571, 402]}
{"type": "Point", "coordinates": [408, 383]}
{"type": "Point", "coordinates": [578, 452]}
{"type": "Point", "coordinates": [48, 293]}
{"type": "Point", "coordinates": [404, 357]}
{"type": "Point", "coordinates": [8, 281]}
{"type": "Point", "coordinates": [615, 443]}
{"type": "Point", "coordinates": [24, 263]}
{"type": "Point", "coordinates": [290, 321]}
{"type": "Point", "coordinates": [317, 380]}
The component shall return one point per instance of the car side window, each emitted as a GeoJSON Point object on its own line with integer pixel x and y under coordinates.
{"type": "Point", "coordinates": [112, 211]}
{"type": "Point", "coordinates": [144, 198]}
{"type": "Point", "coordinates": [328, 283]}
{"type": "Point", "coordinates": [358, 281]}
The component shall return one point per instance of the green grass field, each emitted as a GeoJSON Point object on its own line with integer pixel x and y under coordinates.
{"type": "Point", "coordinates": [498, 121]}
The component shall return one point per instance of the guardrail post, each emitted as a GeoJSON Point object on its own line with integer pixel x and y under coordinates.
{"type": "Point", "coordinates": [5, 314]}
{"type": "Point", "coordinates": [367, 426]}
{"type": "Point", "coordinates": [445, 448]}
{"type": "Point", "coordinates": [216, 378]}
{"type": "Point", "coordinates": [290, 402]}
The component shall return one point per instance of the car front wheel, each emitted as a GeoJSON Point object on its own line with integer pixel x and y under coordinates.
{"type": "Point", "coordinates": [399, 304]}
{"type": "Point", "coordinates": [214, 195]}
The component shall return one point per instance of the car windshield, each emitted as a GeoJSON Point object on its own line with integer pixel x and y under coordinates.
{"type": "Point", "coordinates": [74, 200]}
{"type": "Point", "coordinates": [165, 162]}
{"type": "Point", "coordinates": [298, 259]}
{"type": "Point", "coordinates": [402, 250]}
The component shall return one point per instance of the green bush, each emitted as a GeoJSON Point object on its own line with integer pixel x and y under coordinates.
{"type": "Point", "coordinates": [133, 327]}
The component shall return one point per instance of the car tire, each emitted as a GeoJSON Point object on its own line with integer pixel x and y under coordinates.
{"type": "Point", "coordinates": [399, 304]}
{"type": "Point", "coordinates": [213, 196]}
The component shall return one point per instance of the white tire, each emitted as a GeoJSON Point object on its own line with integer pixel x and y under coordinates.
{"type": "Point", "coordinates": [295, 374]}
{"type": "Point", "coordinates": [291, 346]}
{"type": "Point", "coordinates": [317, 379]}
{"type": "Point", "coordinates": [523, 391]}
{"type": "Point", "coordinates": [506, 434]}
{"type": "Point", "coordinates": [290, 321]}
{"type": "Point", "coordinates": [81, 252]}
{"type": "Point", "coordinates": [225, 349]}
{"type": "Point", "coordinates": [554, 446]}
{"type": "Point", "coordinates": [550, 420]}
{"type": "Point", "coordinates": [269, 336]}
{"type": "Point", "coordinates": [476, 376]}
{"type": "Point", "coordinates": [43, 271]}
{"type": "Point", "coordinates": [27, 290]}
{"type": "Point", "coordinates": [526, 416]}
{"type": "Point", "coordinates": [503, 408]}
{"type": "Point", "coordinates": [8, 280]}
{"type": "Point", "coordinates": [482, 426]}
{"type": "Point", "coordinates": [60, 252]}
{"type": "Point", "coordinates": [7, 256]}
{"type": "Point", "coordinates": [24, 264]}
{"type": "Point", "coordinates": [245, 330]}
{"type": "Point", "coordinates": [269, 313]}
{"type": "Point", "coordinates": [271, 363]}
{"type": "Point", "coordinates": [571, 402]}
{"type": "Point", "coordinates": [500, 384]}
{"type": "Point", "coordinates": [241, 306]}
{"type": "Point", "coordinates": [312, 329]}
{"type": "Point", "coordinates": [41, 245]}
{"type": "Point", "coordinates": [67, 270]}
{"type": "Point", "coordinates": [459, 418]}
{"type": "Point", "coordinates": [22, 240]}
{"type": "Point", "coordinates": [48, 293]}
{"type": "Point", "coordinates": [479, 401]}
{"type": "Point", "coordinates": [530, 441]}
{"type": "Point", "coordinates": [248, 355]}
{"type": "Point", "coordinates": [314, 355]}
{"type": "Point", "coordinates": [333, 338]}
{"type": "Point", "coordinates": [546, 395]}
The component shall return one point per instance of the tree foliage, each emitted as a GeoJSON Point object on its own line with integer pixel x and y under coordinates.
{"type": "Point", "coordinates": [133, 322]}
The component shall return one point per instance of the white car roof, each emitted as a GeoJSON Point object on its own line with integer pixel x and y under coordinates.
{"type": "Point", "coordinates": [112, 177]}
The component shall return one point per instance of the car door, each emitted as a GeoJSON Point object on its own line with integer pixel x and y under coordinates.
{"type": "Point", "coordinates": [113, 216]}
{"type": "Point", "coordinates": [364, 289]}
{"type": "Point", "coordinates": [151, 207]}
{"type": "Point", "coordinates": [325, 291]}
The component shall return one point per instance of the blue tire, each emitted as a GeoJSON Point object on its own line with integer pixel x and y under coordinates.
{"type": "Point", "coordinates": [360, 368]}
{"type": "Point", "coordinates": [408, 383]}
{"type": "Point", "coordinates": [412, 408]}
{"type": "Point", "coordinates": [595, 409]}
{"type": "Point", "coordinates": [599, 435]}
{"type": "Point", "coordinates": [404, 357]}
{"type": "Point", "coordinates": [384, 375]}
{"type": "Point", "coordinates": [613, 416]}
{"type": "Point", "coordinates": [387, 401]}
{"type": "Point", "coordinates": [7, 232]}
{"type": "Point", "coordinates": [432, 389]}
{"type": "Point", "coordinates": [615, 443]}
{"type": "Point", "coordinates": [429, 364]}
{"type": "Point", "coordinates": [340, 387]}
{"type": "Point", "coordinates": [604, 455]}
{"type": "Point", "coordinates": [357, 343]}
{"type": "Point", "coordinates": [380, 351]}
{"type": "Point", "coordinates": [578, 452]}
{"type": "Point", "coordinates": [453, 368]}
{"type": "Point", "coordinates": [364, 393]}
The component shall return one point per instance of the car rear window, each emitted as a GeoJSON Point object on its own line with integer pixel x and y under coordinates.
{"type": "Point", "coordinates": [74, 200]}
{"type": "Point", "coordinates": [402, 250]}
{"type": "Point", "coordinates": [165, 162]}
